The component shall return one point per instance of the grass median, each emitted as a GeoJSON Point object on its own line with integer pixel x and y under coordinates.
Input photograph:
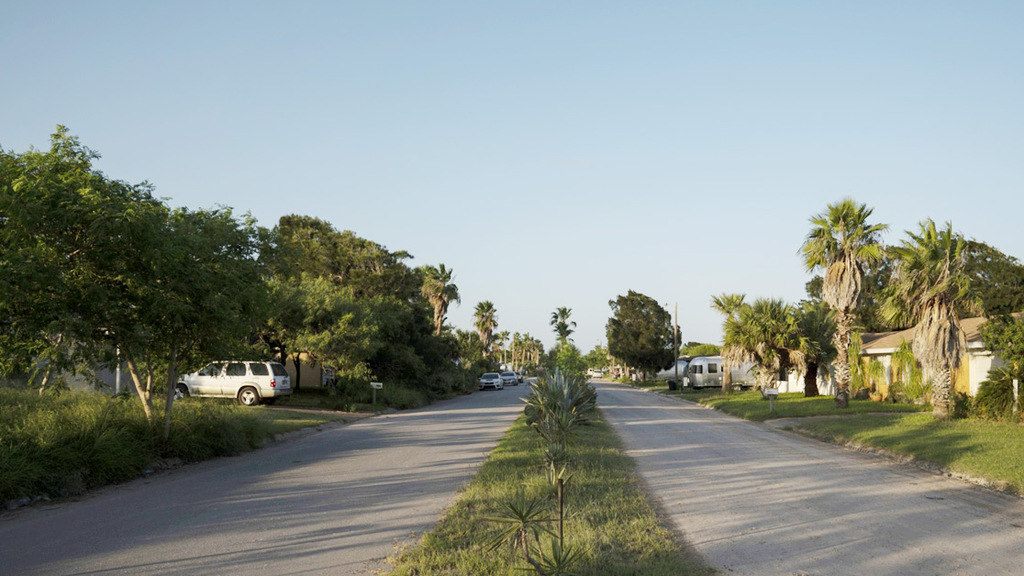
{"type": "Point", "coordinates": [609, 517]}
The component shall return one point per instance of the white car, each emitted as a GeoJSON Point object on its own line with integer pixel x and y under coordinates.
{"type": "Point", "coordinates": [509, 379]}
{"type": "Point", "coordinates": [491, 380]}
{"type": "Point", "coordinates": [248, 382]}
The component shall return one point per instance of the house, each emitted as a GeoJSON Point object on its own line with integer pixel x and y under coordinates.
{"type": "Point", "coordinates": [974, 365]}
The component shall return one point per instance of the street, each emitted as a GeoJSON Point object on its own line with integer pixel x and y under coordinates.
{"type": "Point", "coordinates": [335, 502]}
{"type": "Point", "coordinates": [756, 501]}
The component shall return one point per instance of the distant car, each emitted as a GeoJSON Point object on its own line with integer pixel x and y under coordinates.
{"type": "Point", "coordinates": [248, 382]}
{"type": "Point", "coordinates": [519, 375]}
{"type": "Point", "coordinates": [491, 380]}
{"type": "Point", "coordinates": [509, 379]}
{"type": "Point", "coordinates": [599, 373]}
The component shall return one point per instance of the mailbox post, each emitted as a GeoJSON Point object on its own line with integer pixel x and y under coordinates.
{"type": "Point", "coordinates": [772, 394]}
{"type": "Point", "coordinates": [376, 386]}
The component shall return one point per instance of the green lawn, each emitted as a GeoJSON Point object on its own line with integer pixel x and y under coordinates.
{"type": "Point", "coordinates": [609, 517]}
{"type": "Point", "coordinates": [977, 448]}
{"type": "Point", "coordinates": [750, 406]}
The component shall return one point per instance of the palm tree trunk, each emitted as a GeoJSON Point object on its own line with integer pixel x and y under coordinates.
{"type": "Point", "coordinates": [941, 393]}
{"type": "Point", "coordinates": [726, 377]}
{"type": "Point", "coordinates": [841, 365]}
{"type": "Point", "coordinates": [811, 380]}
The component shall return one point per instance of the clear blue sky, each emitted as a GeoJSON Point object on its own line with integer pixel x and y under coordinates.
{"type": "Point", "coordinates": [552, 153]}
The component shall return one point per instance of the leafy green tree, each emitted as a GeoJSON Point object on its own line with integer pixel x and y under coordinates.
{"type": "Point", "coordinates": [440, 292]}
{"type": "Point", "coordinates": [932, 284]}
{"type": "Point", "coordinates": [640, 332]}
{"type": "Point", "coordinates": [61, 223]}
{"type": "Point", "coordinates": [841, 242]}
{"type": "Point", "coordinates": [996, 279]}
{"type": "Point", "coordinates": [485, 321]}
{"type": "Point", "coordinates": [598, 357]}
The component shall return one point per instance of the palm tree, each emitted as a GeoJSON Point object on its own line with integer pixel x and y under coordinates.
{"type": "Point", "coordinates": [816, 328]}
{"type": "Point", "coordinates": [931, 285]}
{"type": "Point", "coordinates": [842, 242]}
{"type": "Point", "coordinates": [502, 338]}
{"type": "Point", "coordinates": [729, 305]}
{"type": "Point", "coordinates": [560, 320]}
{"type": "Point", "coordinates": [439, 291]}
{"type": "Point", "coordinates": [486, 322]}
{"type": "Point", "coordinates": [766, 333]}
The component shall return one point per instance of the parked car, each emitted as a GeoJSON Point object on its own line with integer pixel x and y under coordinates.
{"type": "Point", "coordinates": [491, 380]}
{"type": "Point", "coordinates": [509, 379]}
{"type": "Point", "coordinates": [248, 382]}
{"type": "Point", "coordinates": [519, 375]}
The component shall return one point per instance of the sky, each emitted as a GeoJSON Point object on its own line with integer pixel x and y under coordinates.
{"type": "Point", "coordinates": [551, 153]}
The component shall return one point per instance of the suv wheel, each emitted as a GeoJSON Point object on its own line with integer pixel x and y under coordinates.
{"type": "Point", "coordinates": [248, 396]}
{"type": "Point", "coordinates": [180, 391]}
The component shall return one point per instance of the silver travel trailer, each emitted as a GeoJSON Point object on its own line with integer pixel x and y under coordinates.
{"type": "Point", "coordinates": [706, 372]}
{"type": "Point", "coordinates": [670, 372]}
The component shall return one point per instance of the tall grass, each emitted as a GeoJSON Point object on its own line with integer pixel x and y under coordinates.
{"type": "Point", "coordinates": [60, 445]}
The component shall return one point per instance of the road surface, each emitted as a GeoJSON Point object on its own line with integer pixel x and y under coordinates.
{"type": "Point", "coordinates": [753, 500]}
{"type": "Point", "coordinates": [336, 502]}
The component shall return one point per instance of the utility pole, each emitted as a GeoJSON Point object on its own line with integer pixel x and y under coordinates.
{"type": "Point", "coordinates": [675, 341]}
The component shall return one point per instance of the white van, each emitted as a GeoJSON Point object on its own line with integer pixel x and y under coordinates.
{"type": "Point", "coordinates": [248, 382]}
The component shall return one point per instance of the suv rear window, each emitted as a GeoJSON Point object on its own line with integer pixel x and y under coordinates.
{"type": "Point", "coordinates": [278, 369]}
{"type": "Point", "coordinates": [259, 369]}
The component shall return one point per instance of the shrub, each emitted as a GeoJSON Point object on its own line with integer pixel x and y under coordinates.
{"type": "Point", "coordinates": [995, 395]}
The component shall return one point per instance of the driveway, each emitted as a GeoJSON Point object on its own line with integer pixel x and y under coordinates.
{"type": "Point", "coordinates": [335, 502]}
{"type": "Point", "coordinates": [758, 501]}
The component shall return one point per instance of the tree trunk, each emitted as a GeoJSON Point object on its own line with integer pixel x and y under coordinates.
{"type": "Point", "coordinates": [726, 377]}
{"type": "Point", "coordinates": [172, 381]}
{"type": "Point", "coordinates": [941, 390]}
{"type": "Point", "coordinates": [141, 390]}
{"type": "Point", "coordinates": [811, 380]}
{"type": "Point", "coordinates": [298, 371]}
{"type": "Point", "coordinates": [841, 365]}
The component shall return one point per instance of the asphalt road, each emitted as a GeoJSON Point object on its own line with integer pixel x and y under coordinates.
{"type": "Point", "coordinates": [336, 502]}
{"type": "Point", "coordinates": [758, 501]}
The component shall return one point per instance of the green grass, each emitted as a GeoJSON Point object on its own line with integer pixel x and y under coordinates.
{"type": "Point", "coordinates": [609, 517]}
{"type": "Point", "coordinates": [283, 420]}
{"type": "Point", "coordinates": [62, 445]}
{"type": "Point", "coordinates": [750, 406]}
{"type": "Point", "coordinates": [976, 448]}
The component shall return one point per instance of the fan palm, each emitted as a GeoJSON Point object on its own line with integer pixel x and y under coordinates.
{"type": "Point", "coordinates": [766, 333]}
{"type": "Point", "coordinates": [841, 241]}
{"type": "Point", "coordinates": [440, 292]}
{"type": "Point", "coordinates": [486, 321]}
{"type": "Point", "coordinates": [816, 329]}
{"type": "Point", "coordinates": [931, 285]}
{"type": "Point", "coordinates": [729, 305]}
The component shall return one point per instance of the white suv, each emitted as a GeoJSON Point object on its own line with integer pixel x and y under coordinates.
{"type": "Point", "coordinates": [248, 382]}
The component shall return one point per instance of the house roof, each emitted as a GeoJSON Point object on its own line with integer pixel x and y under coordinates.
{"type": "Point", "coordinates": [885, 342]}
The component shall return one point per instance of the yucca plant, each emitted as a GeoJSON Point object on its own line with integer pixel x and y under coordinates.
{"type": "Point", "coordinates": [558, 404]}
